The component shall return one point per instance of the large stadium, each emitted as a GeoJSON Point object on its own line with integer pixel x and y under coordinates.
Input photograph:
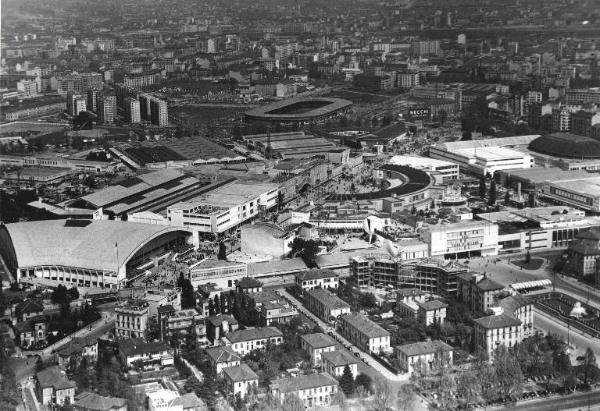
{"type": "Point", "coordinates": [301, 109]}
{"type": "Point", "coordinates": [84, 253]}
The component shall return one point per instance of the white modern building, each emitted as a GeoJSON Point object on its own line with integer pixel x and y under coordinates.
{"type": "Point", "coordinates": [458, 240]}
{"type": "Point", "coordinates": [447, 169]}
{"type": "Point", "coordinates": [223, 208]}
{"type": "Point", "coordinates": [225, 274]}
{"type": "Point", "coordinates": [486, 156]}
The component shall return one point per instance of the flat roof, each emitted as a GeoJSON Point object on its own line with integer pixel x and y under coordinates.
{"type": "Point", "coordinates": [589, 186]}
{"type": "Point", "coordinates": [538, 175]}
{"type": "Point", "coordinates": [228, 196]}
{"type": "Point", "coordinates": [420, 162]}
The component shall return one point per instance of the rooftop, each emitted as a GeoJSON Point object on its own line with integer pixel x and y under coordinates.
{"type": "Point", "coordinates": [240, 373]}
{"type": "Point", "coordinates": [328, 299]}
{"type": "Point", "coordinates": [137, 346]}
{"type": "Point", "coordinates": [303, 382]}
{"type": "Point", "coordinates": [497, 321]}
{"type": "Point", "coordinates": [35, 242]}
{"type": "Point", "coordinates": [339, 358]}
{"type": "Point", "coordinates": [222, 354]}
{"type": "Point", "coordinates": [567, 145]}
{"type": "Point", "coordinates": [318, 340]}
{"type": "Point", "coordinates": [423, 347]}
{"type": "Point", "coordinates": [315, 275]}
{"type": "Point", "coordinates": [364, 325]}
{"type": "Point", "coordinates": [432, 305]}
{"type": "Point", "coordinates": [253, 334]}
{"type": "Point", "coordinates": [54, 377]}
{"type": "Point", "coordinates": [91, 401]}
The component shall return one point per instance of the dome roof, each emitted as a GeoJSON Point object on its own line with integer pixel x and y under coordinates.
{"type": "Point", "coordinates": [566, 145]}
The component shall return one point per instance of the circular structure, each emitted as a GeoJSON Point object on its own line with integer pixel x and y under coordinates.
{"type": "Point", "coordinates": [414, 181]}
{"type": "Point", "coordinates": [298, 109]}
{"type": "Point", "coordinates": [566, 145]}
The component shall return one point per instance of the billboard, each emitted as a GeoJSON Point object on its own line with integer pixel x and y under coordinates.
{"type": "Point", "coordinates": [419, 113]}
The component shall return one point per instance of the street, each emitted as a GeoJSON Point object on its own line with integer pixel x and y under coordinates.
{"type": "Point", "coordinates": [578, 400]}
{"type": "Point", "coordinates": [576, 338]}
{"type": "Point", "coordinates": [367, 358]}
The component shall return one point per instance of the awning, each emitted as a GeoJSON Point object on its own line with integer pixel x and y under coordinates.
{"type": "Point", "coordinates": [530, 284]}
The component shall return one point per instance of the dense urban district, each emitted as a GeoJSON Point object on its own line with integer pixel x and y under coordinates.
{"type": "Point", "coordinates": [298, 204]}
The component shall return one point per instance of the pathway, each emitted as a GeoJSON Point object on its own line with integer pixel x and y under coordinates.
{"type": "Point", "coordinates": [328, 328]}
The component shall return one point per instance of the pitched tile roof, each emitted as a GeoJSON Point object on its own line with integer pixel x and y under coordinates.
{"type": "Point", "coordinates": [339, 358]}
{"type": "Point", "coordinates": [327, 298]}
{"type": "Point", "coordinates": [423, 347]}
{"type": "Point", "coordinates": [497, 321]}
{"type": "Point", "coordinates": [315, 274]}
{"type": "Point", "coordinates": [303, 382]}
{"type": "Point", "coordinates": [240, 373]}
{"type": "Point", "coordinates": [432, 305]}
{"type": "Point", "coordinates": [318, 340]}
{"type": "Point", "coordinates": [222, 354]}
{"type": "Point", "coordinates": [54, 377]}
{"type": "Point", "coordinates": [366, 326]}
{"type": "Point", "coordinates": [91, 401]}
{"type": "Point", "coordinates": [253, 334]}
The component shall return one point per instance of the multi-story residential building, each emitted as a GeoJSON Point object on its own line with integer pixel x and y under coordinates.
{"type": "Point", "coordinates": [494, 330]}
{"type": "Point", "coordinates": [276, 313]}
{"type": "Point", "coordinates": [407, 300]}
{"type": "Point", "coordinates": [245, 341]}
{"type": "Point", "coordinates": [317, 344]}
{"type": "Point", "coordinates": [425, 48]}
{"type": "Point", "coordinates": [138, 351]}
{"type": "Point", "coordinates": [222, 357]}
{"type": "Point", "coordinates": [132, 110]}
{"type": "Point", "coordinates": [424, 354]}
{"type": "Point", "coordinates": [132, 319]}
{"type": "Point", "coordinates": [78, 349]}
{"type": "Point", "coordinates": [334, 362]}
{"type": "Point", "coordinates": [249, 285]}
{"type": "Point", "coordinates": [153, 110]}
{"type": "Point", "coordinates": [179, 322]}
{"type": "Point", "coordinates": [582, 96]}
{"type": "Point", "coordinates": [462, 240]}
{"type": "Point", "coordinates": [240, 379]}
{"type": "Point", "coordinates": [32, 331]}
{"type": "Point", "coordinates": [325, 305]}
{"type": "Point", "coordinates": [534, 97]}
{"type": "Point", "coordinates": [140, 80]}
{"type": "Point", "coordinates": [408, 79]}
{"type": "Point", "coordinates": [308, 280]}
{"type": "Point", "coordinates": [53, 387]}
{"type": "Point", "coordinates": [76, 82]}
{"type": "Point", "coordinates": [432, 312]}
{"type": "Point", "coordinates": [584, 253]}
{"type": "Point", "coordinates": [217, 326]}
{"type": "Point", "coordinates": [477, 291]}
{"type": "Point", "coordinates": [364, 333]}
{"type": "Point", "coordinates": [315, 390]}
{"type": "Point", "coordinates": [27, 87]}
{"type": "Point", "coordinates": [583, 122]}
{"type": "Point", "coordinates": [91, 96]}
{"type": "Point", "coordinates": [106, 108]}
{"type": "Point", "coordinates": [561, 119]}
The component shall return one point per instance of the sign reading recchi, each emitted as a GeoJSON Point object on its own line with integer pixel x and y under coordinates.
{"type": "Point", "coordinates": [419, 113]}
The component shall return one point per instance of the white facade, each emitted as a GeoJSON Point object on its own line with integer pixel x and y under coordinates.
{"type": "Point", "coordinates": [486, 156]}
{"type": "Point", "coordinates": [462, 238]}
{"type": "Point", "coordinates": [222, 209]}
{"type": "Point", "coordinates": [224, 274]}
{"type": "Point", "coordinates": [447, 169]}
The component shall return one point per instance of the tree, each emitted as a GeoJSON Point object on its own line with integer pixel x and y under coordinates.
{"type": "Point", "coordinates": [406, 396]}
{"type": "Point", "coordinates": [383, 396]}
{"type": "Point", "coordinates": [60, 295]}
{"type": "Point", "coordinates": [492, 195]}
{"type": "Point", "coordinates": [467, 135]}
{"type": "Point", "coordinates": [590, 368]}
{"type": "Point", "coordinates": [222, 251]}
{"type": "Point", "coordinates": [347, 381]}
{"type": "Point", "coordinates": [3, 302]}
{"type": "Point", "coordinates": [508, 374]}
{"type": "Point", "coordinates": [561, 363]}
{"type": "Point", "coordinates": [73, 293]}
{"type": "Point", "coordinates": [482, 188]}
{"type": "Point", "coordinates": [363, 380]}
{"type": "Point", "coordinates": [188, 298]}
{"type": "Point", "coordinates": [507, 197]}
{"type": "Point", "coordinates": [292, 402]}
{"type": "Point", "coordinates": [217, 304]}
{"type": "Point", "coordinates": [468, 386]}
{"type": "Point", "coordinates": [310, 251]}
{"type": "Point", "coordinates": [367, 300]}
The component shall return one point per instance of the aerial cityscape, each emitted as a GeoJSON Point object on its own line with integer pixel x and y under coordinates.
{"type": "Point", "coordinates": [288, 205]}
